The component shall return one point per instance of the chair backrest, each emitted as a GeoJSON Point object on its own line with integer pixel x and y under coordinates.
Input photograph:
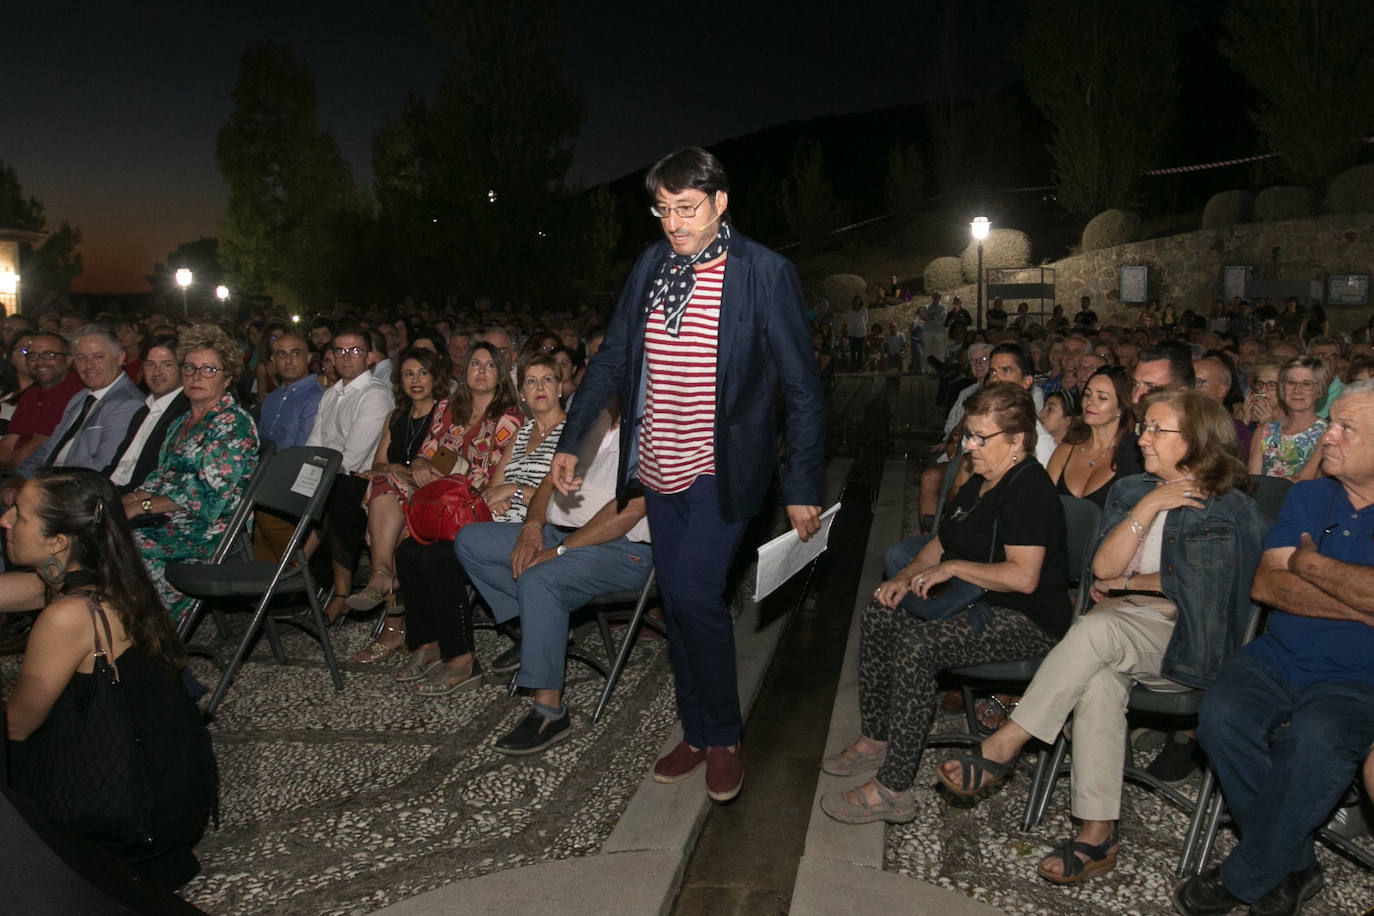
{"type": "Point", "coordinates": [946, 484]}
{"type": "Point", "coordinates": [296, 481]}
{"type": "Point", "coordinates": [1269, 494]}
{"type": "Point", "coordinates": [1080, 522]}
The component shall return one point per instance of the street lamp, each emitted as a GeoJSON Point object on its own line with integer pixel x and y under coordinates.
{"type": "Point", "coordinates": [184, 280]}
{"type": "Point", "coordinates": [980, 227]}
{"type": "Point", "coordinates": [222, 293]}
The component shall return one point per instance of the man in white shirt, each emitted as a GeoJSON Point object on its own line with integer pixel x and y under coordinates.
{"type": "Point", "coordinates": [350, 420]}
{"type": "Point", "coordinates": [569, 550]}
{"type": "Point", "coordinates": [138, 453]}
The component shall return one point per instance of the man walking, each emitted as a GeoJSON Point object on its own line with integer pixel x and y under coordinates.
{"type": "Point", "coordinates": [709, 324]}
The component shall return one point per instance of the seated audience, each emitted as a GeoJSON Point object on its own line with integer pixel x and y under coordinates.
{"type": "Point", "coordinates": [1291, 447]}
{"type": "Point", "coordinates": [349, 419]}
{"type": "Point", "coordinates": [1003, 532]}
{"type": "Point", "coordinates": [1291, 715]}
{"type": "Point", "coordinates": [1171, 571]}
{"type": "Point", "coordinates": [1058, 415]}
{"type": "Point", "coordinates": [141, 449]}
{"type": "Point", "coordinates": [1214, 378]}
{"type": "Point", "coordinates": [95, 420]}
{"type": "Point", "coordinates": [1261, 404]}
{"type": "Point", "coordinates": [209, 454]}
{"type": "Point", "coordinates": [1100, 447]}
{"type": "Point", "coordinates": [438, 633]}
{"type": "Point", "coordinates": [414, 383]}
{"type": "Point", "coordinates": [39, 408]}
{"type": "Point", "coordinates": [467, 437]}
{"type": "Point", "coordinates": [569, 550]}
{"type": "Point", "coordinates": [16, 377]}
{"type": "Point", "coordinates": [288, 412]}
{"type": "Point", "coordinates": [67, 523]}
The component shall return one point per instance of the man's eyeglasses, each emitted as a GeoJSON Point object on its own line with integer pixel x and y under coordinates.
{"type": "Point", "coordinates": [682, 211]}
{"type": "Point", "coordinates": [34, 356]}
{"type": "Point", "coordinates": [1153, 429]}
{"type": "Point", "coordinates": [979, 441]}
{"type": "Point", "coordinates": [341, 352]}
{"type": "Point", "coordinates": [208, 372]}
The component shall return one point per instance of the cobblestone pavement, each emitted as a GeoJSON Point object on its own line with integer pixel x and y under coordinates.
{"type": "Point", "coordinates": [346, 802]}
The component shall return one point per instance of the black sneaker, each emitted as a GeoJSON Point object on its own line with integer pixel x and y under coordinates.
{"type": "Point", "coordinates": [1205, 895]}
{"type": "Point", "coordinates": [1295, 889]}
{"type": "Point", "coordinates": [534, 733]}
{"type": "Point", "coordinates": [507, 662]}
{"type": "Point", "coordinates": [1178, 760]}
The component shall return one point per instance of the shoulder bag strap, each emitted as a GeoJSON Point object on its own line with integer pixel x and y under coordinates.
{"type": "Point", "coordinates": [93, 606]}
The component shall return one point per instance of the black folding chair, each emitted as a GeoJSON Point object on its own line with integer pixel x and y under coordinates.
{"type": "Point", "coordinates": [293, 483]}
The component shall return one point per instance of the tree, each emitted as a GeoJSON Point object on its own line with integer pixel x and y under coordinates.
{"type": "Point", "coordinates": [808, 198]}
{"type": "Point", "coordinates": [200, 257]}
{"type": "Point", "coordinates": [288, 184]}
{"type": "Point", "coordinates": [470, 180]}
{"type": "Point", "coordinates": [1312, 64]}
{"type": "Point", "coordinates": [906, 177]}
{"type": "Point", "coordinates": [52, 266]}
{"type": "Point", "coordinates": [1103, 74]}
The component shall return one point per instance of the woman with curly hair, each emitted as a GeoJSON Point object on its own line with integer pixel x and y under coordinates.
{"type": "Point", "coordinates": [208, 455]}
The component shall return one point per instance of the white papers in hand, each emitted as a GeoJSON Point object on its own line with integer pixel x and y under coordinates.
{"type": "Point", "coordinates": [781, 557]}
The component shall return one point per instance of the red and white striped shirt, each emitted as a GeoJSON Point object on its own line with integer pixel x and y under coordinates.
{"type": "Point", "coordinates": [677, 437]}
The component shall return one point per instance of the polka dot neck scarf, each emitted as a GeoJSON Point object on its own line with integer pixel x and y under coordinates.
{"type": "Point", "coordinates": [675, 280]}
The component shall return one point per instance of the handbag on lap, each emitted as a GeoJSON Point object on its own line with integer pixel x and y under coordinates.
{"type": "Point", "coordinates": [437, 510]}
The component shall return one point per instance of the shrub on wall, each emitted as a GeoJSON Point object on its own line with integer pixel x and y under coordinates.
{"type": "Point", "coordinates": [1109, 229]}
{"type": "Point", "coordinates": [1228, 208]}
{"type": "Point", "coordinates": [942, 274]}
{"type": "Point", "coordinates": [841, 289]}
{"type": "Point", "coordinates": [1283, 202]}
{"type": "Point", "coordinates": [1002, 248]}
{"type": "Point", "coordinates": [1352, 191]}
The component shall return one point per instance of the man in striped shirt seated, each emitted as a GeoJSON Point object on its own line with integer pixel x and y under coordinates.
{"type": "Point", "coordinates": [709, 325]}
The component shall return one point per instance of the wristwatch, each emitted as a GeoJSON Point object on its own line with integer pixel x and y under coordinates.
{"type": "Point", "coordinates": [562, 549]}
{"type": "Point", "coordinates": [147, 505]}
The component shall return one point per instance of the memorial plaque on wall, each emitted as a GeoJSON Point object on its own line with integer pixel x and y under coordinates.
{"type": "Point", "coordinates": [1347, 289]}
{"type": "Point", "coordinates": [1134, 284]}
{"type": "Point", "coordinates": [1233, 281]}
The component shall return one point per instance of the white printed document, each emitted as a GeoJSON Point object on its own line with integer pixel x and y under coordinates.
{"type": "Point", "coordinates": [781, 557]}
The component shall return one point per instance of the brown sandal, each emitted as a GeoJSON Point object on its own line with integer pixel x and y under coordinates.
{"type": "Point", "coordinates": [1101, 859]}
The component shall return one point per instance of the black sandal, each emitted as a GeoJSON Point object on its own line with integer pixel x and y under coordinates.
{"type": "Point", "coordinates": [975, 765]}
{"type": "Point", "coordinates": [1101, 859]}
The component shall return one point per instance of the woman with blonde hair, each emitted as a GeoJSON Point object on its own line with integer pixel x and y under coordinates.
{"type": "Point", "coordinates": [1291, 446]}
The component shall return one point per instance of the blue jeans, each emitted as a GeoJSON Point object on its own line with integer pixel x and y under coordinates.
{"type": "Point", "coordinates": [693, 547]}
{"type": "Point", "coordinates": [1281, 781]}
{"type": "Point", "coordinates": [545, 595]}
{"type": "Point", "coordinates": [896, 557]}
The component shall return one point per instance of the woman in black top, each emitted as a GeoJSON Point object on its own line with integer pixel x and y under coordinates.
{"type": "Point", "coordinates": [68, 524]}
{"type": "Point", "coordinates": [1003, 532]}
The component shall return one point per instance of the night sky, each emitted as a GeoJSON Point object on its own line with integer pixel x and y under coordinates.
{"type": "Point", "coordinates": [109, 111]}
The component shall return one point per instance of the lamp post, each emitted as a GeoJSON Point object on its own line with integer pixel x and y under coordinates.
{"type": "Point", "coordinates": [9, 289]}
{"type": "Point", "coordinates": [184, 280]}
{"type": "Point", "coordinates": [980, 227]}
{"type": "Point", "coordinates": [222, 293]}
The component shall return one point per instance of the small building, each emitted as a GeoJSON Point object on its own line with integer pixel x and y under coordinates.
{"type": "Point", "coordinates": [10, 240]}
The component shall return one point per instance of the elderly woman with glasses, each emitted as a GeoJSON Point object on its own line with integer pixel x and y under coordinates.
{"type": "Point", "coordinates": [1176, 550]}
{"type": "Point", "coordinates": [1291, 447]}
{"type": "Point", "coordinates": [1002, 532]}
{"type": "Point", "coordinates": [207, 456]}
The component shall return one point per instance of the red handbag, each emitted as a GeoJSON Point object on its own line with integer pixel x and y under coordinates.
{"type": "Point", "coordinates": [437, 510]}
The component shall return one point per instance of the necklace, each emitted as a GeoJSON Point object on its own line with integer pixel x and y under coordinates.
{"type": "Point", "coordinates": [1092, 462]}
{"type": "Point", "coordinates": [414, 427]}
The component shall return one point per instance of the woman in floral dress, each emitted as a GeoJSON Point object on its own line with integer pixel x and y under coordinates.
{"type": "Point", "coordinates": [208, 456]}
{"type": "Point", "coordinates": [1291, 447]}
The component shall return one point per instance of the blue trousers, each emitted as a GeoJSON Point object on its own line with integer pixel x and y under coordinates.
{"type": "Point", "coordinates": [1281, 781]}
{"type": "Point", "coordinates": [545, 595]}
{"type": "Point", "coordinates": [693, 548]}
{"type": "Point", "coordinates": [897, 556]}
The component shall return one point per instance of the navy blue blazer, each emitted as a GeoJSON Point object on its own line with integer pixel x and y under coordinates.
{"type": "Point", "coordinates": [764, 344]}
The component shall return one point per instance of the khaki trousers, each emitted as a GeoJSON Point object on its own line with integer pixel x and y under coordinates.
{"type": "Point", "coordinates": [1090, 674]}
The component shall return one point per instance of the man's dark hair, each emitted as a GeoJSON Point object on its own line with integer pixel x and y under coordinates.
{"type": "Point", "coordinates": [692, 168]}
{"type": "Point", "coordinates": [169, 341]}
{"type": "Point", "coordinates": [322, 322]}
{"type": "Point", "coordinates": [377, 342]}
{"type": "Point", "coordinates": [1180, 361]}
{"type": "Point", "coordinates": [352, 330]}
{"type": "Point", "coordinates": [1016, 351]}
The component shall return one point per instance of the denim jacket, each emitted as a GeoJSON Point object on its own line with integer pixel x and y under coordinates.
{"type": "Point", "coordinates": [1206, 564]}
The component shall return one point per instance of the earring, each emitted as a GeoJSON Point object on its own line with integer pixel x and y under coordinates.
{"type": "Point", "coordinates": [51, 571]}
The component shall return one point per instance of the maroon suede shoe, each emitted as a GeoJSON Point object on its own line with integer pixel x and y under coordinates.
{"type": "Point", "coordinates": [678, 764]}
{"type": "Point", "coordinates": [724, 773]}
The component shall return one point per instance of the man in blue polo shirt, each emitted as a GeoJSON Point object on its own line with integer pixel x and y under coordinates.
{"type": "Point", "coordinates": [1292, 714]}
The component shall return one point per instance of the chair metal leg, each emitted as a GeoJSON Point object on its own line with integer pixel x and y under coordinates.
{"type": "Point", "coordinates": [1042, 802]}
{"type": "Point", "coordinates": [274, 640]}
{"type": "Point", "coordinates": [623, 654]}
{"type": "Point", "coordinates": [1202, 823]}
{"type": "Point", "coordinates": [240, 653]}
{"type": "Point", "coordinates": [316, 611]}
